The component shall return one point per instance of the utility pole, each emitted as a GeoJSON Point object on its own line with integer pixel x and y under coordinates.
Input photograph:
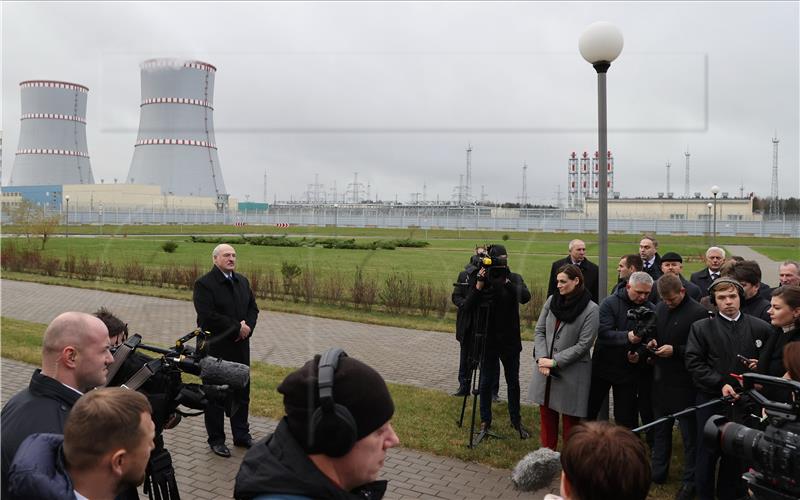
{"type": "Point", "coordinates": [774, 205]}
{"type": "Point", "coordinates": [686, 188]}
{"type": "Point", "coordinates": [468, 186]}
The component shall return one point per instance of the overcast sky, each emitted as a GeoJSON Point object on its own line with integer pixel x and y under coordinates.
{"type": "Point", "coordinates": [396, 91]}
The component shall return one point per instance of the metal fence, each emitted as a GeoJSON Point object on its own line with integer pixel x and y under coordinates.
{"type": "Point", "coordinates": [454, 218]}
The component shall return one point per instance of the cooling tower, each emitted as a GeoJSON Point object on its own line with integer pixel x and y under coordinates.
{"type": "Point", "coordinates": [175, 148]}
{"type": "Point", "coordinates": [52, 137]}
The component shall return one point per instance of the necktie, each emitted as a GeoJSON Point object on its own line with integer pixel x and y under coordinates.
{"type": "Point", "coordinates": [714, 276]}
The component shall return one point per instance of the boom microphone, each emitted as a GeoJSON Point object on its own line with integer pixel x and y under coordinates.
{"type": "Point", "coordinates": [536, 470]}
{"type": "Point", "coordinates": [217, 371]}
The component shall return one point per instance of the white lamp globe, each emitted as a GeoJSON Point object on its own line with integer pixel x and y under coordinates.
{"type": "Point", "coordinates": [600, 42]}
{"type": "Point", "coordinates": [714, 190]}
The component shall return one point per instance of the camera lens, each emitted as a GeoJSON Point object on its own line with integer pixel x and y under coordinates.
{"type": "Point", "coordinates": [741, 441]}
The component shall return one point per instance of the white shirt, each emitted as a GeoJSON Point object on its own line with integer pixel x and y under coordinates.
{"type": "Point", "coordinates": [650, 262]}
{"type": "Point", "coordinates": [72, 388]}
{"type": "Point", "coordinates": [738, 315]}
{"type": "Point", "coordinates": [78, 496]}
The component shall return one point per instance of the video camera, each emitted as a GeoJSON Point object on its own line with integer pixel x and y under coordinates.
{"type": "Point", "coordinates": [772, 454]}
{"type": "Point", "coordinates": [160, 379]}
{"type": "Point", "coordinates": [645, 329]}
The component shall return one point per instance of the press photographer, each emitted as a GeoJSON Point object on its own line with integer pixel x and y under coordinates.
{"type": "Point", "coordinates": [501, 291]}
{"type": "Point", "coordinates": [717, 350]}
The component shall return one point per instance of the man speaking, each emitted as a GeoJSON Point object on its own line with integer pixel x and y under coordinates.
{"type": "Point", "coordinates": [227, 309]}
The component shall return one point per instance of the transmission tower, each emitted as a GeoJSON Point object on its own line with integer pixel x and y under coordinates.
{"type": "Point", "coordinates": [468, 185]}
{"type": "Point", "coordinates": [355, 189]}
{"type": "Point", "coordinates": [774, 207]}
{"type": "Point", "coordinates": [458, 191]}
{"type": "Point", "coordinates": [314, 193]}
{"type": "Point", "coordinates": [686, 187]}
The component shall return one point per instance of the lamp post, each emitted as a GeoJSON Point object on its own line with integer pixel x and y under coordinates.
{"type": "Point", "coordinates": [600, 44]}
{"type": "Point", "coordinates": [715, 192]}
{"type": "Point", "coordinates": [335, 219]}
{"type": "Point", "coordinates": [709, 205]}
{"type": "Point", "coordinates": [101, 219]}
{"type": "Point", "coordinates": [66, 219]}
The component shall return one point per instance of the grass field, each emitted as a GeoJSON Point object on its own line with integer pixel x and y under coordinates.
{"type": "Point", "coordinates": [424, 419]}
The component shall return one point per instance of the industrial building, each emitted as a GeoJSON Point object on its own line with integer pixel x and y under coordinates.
{"type": "Point", "coordinates": [728, 209]}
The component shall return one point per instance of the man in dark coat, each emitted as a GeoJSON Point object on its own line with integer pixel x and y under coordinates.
{"type": "Point", "coordinates": [711, 358]}
{"type": "Point", "coordinates": [333, 459]}
{"type": "Point", "coordinates": [648, 251]}
{"type": "Point", "coordinates": [628, 265]}
{"type": "Point", "coordinates": [611, 366]}
{"type": "Point", "coordinates": [748, 274]}
{"type": "Point", "coordinates": [715, 258]}
{"type": "Point", "coordinates": [577, 256]}
{"type": "Point", "coordinates": [504, 291]}
{"type": "Point", "coordinates": [672, 263]}
{"type": "Point", "coordinates": [75, 359]}
{"type": "Point", "coordinates": [227, 309]}
{"type": "Point", "coordinates": [675, 314]}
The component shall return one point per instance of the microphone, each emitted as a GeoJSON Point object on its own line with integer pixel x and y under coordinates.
{"type": "Point", "coordinates": [217, 371]}
{"type": "Point", "coordinates": [536, 470]}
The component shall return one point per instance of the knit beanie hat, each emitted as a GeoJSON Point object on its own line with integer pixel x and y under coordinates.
{"type": "Point", "coordinates": [356, 386]}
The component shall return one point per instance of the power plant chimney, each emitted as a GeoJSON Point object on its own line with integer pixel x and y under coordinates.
{"type": "Point", "coordinates": [176, 148]}
{"type": "Point", "coordinates": [52, 138]}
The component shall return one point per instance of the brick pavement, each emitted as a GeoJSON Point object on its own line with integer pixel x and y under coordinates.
{"type": "Point", "coordinates": [200, 473]}
{"type": "Point", "coordinates": [411, 357]}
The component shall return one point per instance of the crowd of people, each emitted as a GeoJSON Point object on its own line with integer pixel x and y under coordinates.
{"type": "Point", "coordinates": [72, 435]}
{"type": "Point", "coordinates": [686, 340]}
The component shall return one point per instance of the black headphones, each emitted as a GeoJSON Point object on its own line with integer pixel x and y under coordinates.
{"type": "Point", "coordinates": [721, 280]}
{"type": "Point", "coordinates": [333, 429]}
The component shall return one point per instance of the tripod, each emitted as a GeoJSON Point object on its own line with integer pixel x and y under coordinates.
{"type": "Point", "coordinates": [477, 353]}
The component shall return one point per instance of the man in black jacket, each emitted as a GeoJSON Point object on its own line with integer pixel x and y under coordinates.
{"type": "Point", "coordinates": [648, 251]}
{"type": "Point", "coordinates": [672, 263]}
{"type": "Point", "coordinates": [711, 358]}
{"type": "Point", "coordinates": [227, 309]}
{"type": "Point", "coordinates": [577, 256]}
{"type": "Point", "coordinates": [504, 291]}
{"type": "Point", "coordinates": [75, 359]}
{"type": "Point", "coordinates": [715, 258]}
{"type": "Point", "coordinates": [675, 314]}
{"type": "Point", "coordinates": [330, 445]}
{"type": "Point", "coordinates": [628, 265]}
{"type": "Point", "coordinates": [612, 368]}
{"type": "Point", "coordinates": [748, 274]}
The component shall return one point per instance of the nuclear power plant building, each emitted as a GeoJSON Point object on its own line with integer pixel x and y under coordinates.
{"type": "Point", "coordinates": [52, 140]}
{"type": "Point", "coordinates": [175, 148]}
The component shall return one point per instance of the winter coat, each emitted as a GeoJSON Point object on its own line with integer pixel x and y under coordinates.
{"type": "Point", "coordinates": [503, 331]}
{"type": "Point", "coordinates": [221, 304]}
{"type": "Point", "coordinates": [712, 348]}
{"type": "Point", "coordinates": [38, 471]}
{"type": "Point", "coordinates": [758, 307]}
{"type": "Point", "coordinates": [692, 291]}
{"type": "Point", "coordinates": [590, 272]}
{"type": "Point", "coordinates": [671, 380]}
{"type": "Point", "coordinates": [771, 360]}
{"type": "Point", "coordinates": [277, 467]}
{"type": "Point", "coordinates": [459, 298]}
{"type": "Point", "coordinates": [571, 345]}
{"type": "Point", "coordinates": [42, 407]}
{"type": "Point", "coordinates": [610, 357]}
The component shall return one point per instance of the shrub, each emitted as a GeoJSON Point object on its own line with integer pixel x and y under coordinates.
{"type": "Point", "coordinates": [307, 285]}
{"type": "Point", "coordinates": [169, 246]}
{"type": "Point", "coordinates": [51, 266]}
{"type": "Point", "coordinates": [505, 237]}
{"type": "Point", "coordinates": [133, 272]}
{"type": "Point", "coordinates": [289, 272]}
{"type": "Point", "coordinates": [398, 292]}
{"type": "Point", "coordinates": [332, 288]}
{"type": "Point", "coordinates": [364, 290]}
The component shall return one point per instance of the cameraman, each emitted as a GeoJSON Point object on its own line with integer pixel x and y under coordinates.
{"type": "Point", "coordinates": [675, 314]}
{"type": "Point", "coordinates": [504, 291]}
{"type": "Point", "coordinates": [613, 367]}
{"type": "Point", "coordinates": [713, 354]}
{"type": "Point", "coordinates": [465, 325]}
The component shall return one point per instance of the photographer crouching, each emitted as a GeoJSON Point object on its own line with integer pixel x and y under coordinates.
{"type": "Point", "coordinates": [500, 292]}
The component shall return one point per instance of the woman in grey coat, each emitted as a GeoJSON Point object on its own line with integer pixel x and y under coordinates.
{"type": "Point", "coordinates": [563, 338]}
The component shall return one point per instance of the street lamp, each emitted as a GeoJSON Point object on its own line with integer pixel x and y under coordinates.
{"type": "Point", "coordinates": [600, 44]}
{"type": "Point", "coordinates": [709, 205]}
{"type": "Point", "coordinates": [335, 219]}
{"type": "Point", "coordinates": [66, 219]}
{"type": "Point", "coordinates": [715, 192]}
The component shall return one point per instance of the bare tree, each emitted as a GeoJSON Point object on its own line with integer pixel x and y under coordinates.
{"type": "Point", "coordinates": [32, 219]}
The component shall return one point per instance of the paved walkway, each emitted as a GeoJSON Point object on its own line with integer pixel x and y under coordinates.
{"type": "Point", "coordinates": [769, 267]}
{"type": "Point", "coordinates": [426, 359]}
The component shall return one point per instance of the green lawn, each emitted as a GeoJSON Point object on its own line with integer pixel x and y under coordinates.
{"type": "Point", "coordinates": [780, 254]}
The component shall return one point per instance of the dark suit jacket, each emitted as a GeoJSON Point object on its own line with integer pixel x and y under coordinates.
{"type": "Point", "coordinates": [590, 272]}
{"type": "Point", "coordinates": [703, 280]}
{"type": "Point", "coordinates": [655, 269]}
{"type": "Point", "coordinates": [221, 304]}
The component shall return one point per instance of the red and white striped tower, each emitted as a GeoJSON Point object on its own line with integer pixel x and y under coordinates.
{"type": "Point", "coordinates": [572, 180]}
{"type": "Point", "coordinates": [52, 138]}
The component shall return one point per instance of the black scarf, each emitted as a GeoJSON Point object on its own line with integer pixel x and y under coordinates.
{"type": "Point", "coordinates": [567, 308]}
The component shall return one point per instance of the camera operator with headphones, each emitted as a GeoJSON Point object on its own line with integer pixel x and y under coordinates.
{"type": "Point", "coordinates": [333, 440]}
{"type": "Point", "coordinates": [718, 348]}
